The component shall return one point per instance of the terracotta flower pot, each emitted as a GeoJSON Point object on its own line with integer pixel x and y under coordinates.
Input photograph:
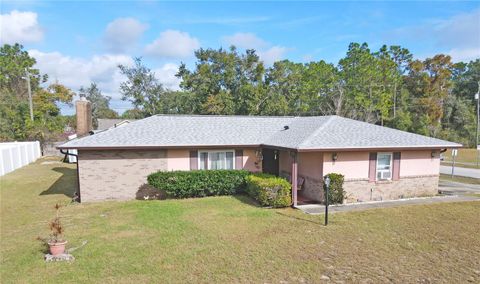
{"type": "Point", "coordinates": [57, 248]}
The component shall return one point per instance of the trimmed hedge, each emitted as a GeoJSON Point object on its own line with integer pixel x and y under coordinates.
{"type": "Point", "coordinates": [336, 192]}
{"type": "Point", "coordinates": [269, 190]}
{"type": "Point", "coordinates": [201, 183]}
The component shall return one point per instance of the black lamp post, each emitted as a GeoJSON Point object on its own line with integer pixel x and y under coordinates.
{"type": "Point", "coordinates": [327, 186]}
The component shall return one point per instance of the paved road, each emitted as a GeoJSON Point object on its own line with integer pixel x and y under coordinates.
{"type": "Point", "coordinates": [464, 172]}
{"type": "Point", "coordinates": [457, 188]}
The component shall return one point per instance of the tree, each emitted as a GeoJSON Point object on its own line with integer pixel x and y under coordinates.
{"type": "Point", "coordinates": [368, 83]}
{"type": "Point", "coordinates": [224, 82]}
{"type": "Point", "coordinates": [459, 113]}
{"type": "Point", "coordinates": [142, 88]}
{"type": "Point", "coordinates": [14, 107]}
{"type": "Point", "coordinates": [14, 64]}
{"type": "Point", "coordinates": [429, 83]}
{"type": "Point", "coordinates": [323, 93]}
{"type": "Point", "coordinates": [134, 113]}
{"type": "Point", "coordinates": [284, 89]}
{"type": "Point", "coordinates": [15, 122]}
{"type": "Point", "coordinates": [100, 103]}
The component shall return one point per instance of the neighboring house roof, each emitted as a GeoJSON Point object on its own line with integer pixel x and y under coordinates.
{"type": "Point", "coordinates": [303, 133]}
{"type": "Point", "coordinates": [106, 123]}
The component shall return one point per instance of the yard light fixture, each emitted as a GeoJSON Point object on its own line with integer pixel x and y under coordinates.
{"type": "Point", "coordinates": [334, 156]}
{"type": "Point", "coordinates": [477, 97]}
{"type": "Point", "coordinates": [327, 186]}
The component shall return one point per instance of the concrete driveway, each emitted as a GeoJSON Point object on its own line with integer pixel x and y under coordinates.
{"type": "Point", "coordinates": [464, 172]}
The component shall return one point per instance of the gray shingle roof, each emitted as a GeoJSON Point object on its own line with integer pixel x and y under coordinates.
{"type": "Point", "coordinates": [303, 133]}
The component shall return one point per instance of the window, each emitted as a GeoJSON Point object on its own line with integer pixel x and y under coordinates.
{"type": "Point", "coordinates": [216, 160]}
{"type": "Point", "coordinates": [384, 166]}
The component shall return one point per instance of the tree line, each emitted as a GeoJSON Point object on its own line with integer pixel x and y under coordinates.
{"type": "Point", "coordinates": [432, 96]}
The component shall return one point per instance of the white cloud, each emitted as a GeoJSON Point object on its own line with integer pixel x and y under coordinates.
{"type": "Point", "coordinates": [459, 35]}
{"type": "Point", "coordinates": [245, 40]}
{"type": "Point", "coordinates": [20, 27]}
{"type": "Point", "coordinates": [464, 54]}
{"type": "Point", "coordinates": [75, 72]}
{"type": "Point", "coordinates": [121, 34]}
{"type": "Point", "coordinates": [166, 76]}
{"type": "Point", "coordinates": [273, 54]}
{"type": "Point", "coordinates": [462, 30]}
{"type": "Point", "coordinates": [267, 53]}
{"type": "Point", "coordinates": [173, 44]}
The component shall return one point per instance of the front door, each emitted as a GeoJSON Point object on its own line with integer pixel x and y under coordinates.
{"type": "Point", "coordinates": [270, 162]}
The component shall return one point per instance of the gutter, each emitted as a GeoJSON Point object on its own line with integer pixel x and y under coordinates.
{"type": "Point", "coordinates": [369, 148]}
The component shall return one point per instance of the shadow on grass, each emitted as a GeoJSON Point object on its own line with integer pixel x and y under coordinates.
{"type": "Point", "coordinates": [244, 198]}
{"type": "Point", "coordinates": [66, 184]}
{"type": "Point", "coordinates": [319, 222]}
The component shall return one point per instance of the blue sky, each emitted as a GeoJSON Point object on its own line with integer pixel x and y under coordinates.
{"type": "Point", "coordinates": [80, 42]}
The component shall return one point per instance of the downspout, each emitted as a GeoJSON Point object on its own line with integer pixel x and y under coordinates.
{"type": "Point", "coordinates": [76, 196]}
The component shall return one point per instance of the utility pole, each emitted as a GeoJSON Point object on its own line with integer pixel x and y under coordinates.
{"type": "Point", "coordinates": [477, 97]}
{"type": "Point", "coordinates": [29, 93]}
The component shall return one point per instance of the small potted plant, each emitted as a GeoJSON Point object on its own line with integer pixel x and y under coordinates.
{"type": "Point", "coordinates": [56, 242]}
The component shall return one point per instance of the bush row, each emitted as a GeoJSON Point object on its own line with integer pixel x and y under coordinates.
{"type": "Point", "coordinates": [269, 190]}
{"type": "Point", "coordinates": [336, 193]}
{"type": "Point", "coordinates": [184, 184]}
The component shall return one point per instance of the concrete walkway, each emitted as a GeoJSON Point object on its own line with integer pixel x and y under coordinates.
{"type": "Point", "coordinates": [316, 209]}
{"type": "Point", "coordinates": [459, 171]}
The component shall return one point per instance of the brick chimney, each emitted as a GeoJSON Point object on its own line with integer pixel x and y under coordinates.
{"type": "Point", "coordinates": [84, 116]}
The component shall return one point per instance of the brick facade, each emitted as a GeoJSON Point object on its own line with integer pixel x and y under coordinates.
{"type": "Point", "coordinates": [116, 175]}
{"type": "Point", "coordinates": [312, 189]}
{"type": "Point", "coordinates": [359, 190]}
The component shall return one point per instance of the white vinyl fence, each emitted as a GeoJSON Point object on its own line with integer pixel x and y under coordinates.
{"type": "Point", "coordinates": [14, 155]}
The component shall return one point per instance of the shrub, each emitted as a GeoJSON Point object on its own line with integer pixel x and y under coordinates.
{"type": "Point", "coordinates": [336, 192]}
{"type": "Point", "coordinates": [184, 184]}
{"type": "Point", "coordinates": [269, 190]}
{"type": "Point", "coordinates": [148, 192]}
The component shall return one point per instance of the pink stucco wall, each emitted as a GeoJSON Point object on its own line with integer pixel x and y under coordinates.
{"type": "Point", "coordinates": [419, 163]}
{"type": "Point", "coordinates": [310, 164]}
{"type": "Point", "coordinates": [179, 160]}
{"type": "Point", "coordinates": [353, 165]}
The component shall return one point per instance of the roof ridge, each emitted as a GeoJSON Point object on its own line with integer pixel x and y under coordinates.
{"type": "Point", "coordinates": [314, 133]}
{"type": "Point", "coordinates": [224, 115]}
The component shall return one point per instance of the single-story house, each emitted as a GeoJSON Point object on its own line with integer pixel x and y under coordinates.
{"type": "Point", "coordinates": [378, 163]}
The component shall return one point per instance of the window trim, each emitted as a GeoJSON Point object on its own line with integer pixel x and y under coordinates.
{"type": "Point", "coordinates": [215, 151]}
{"type": "Point", "coordinates": [391, 166]}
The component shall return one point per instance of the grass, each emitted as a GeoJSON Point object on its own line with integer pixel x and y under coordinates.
{"type": "Point", "coordinates": [227, 239]}
{"type": "Point", "coordinates": [466, 158]}
{"type": "Point", "coordinates": [460, 179]}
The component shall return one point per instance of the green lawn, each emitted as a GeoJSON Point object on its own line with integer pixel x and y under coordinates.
{"type": "Point", "coordinates": [227, 239]}
{"type": "Point", "coordinates": [466, 158]}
